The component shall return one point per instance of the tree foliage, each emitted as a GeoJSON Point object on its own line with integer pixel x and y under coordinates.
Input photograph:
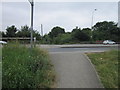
{"type": "Point", "coordinates": [101, 31]}
{"type": "Point", "coordinates": [87, 31]}
{"type": "Point", "coordinates": [106, 30]}
{"type": "Point", "coordinates": [11, 31]}
{"type": "Point", "coordinates": [24, 32]}
{"type": "Point", "coordinates": [56, 31]}
{"type": "Point", "coordinates": [63, 39]}
{"type": "Point", "coordinates": [79, 35]}
{"type": "Point", "coordinates": [2, 34]}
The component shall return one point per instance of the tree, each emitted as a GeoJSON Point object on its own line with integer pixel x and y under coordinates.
{"type": "Point", "coordinates": [25, 32]}
{"type": "Point", "coordinates": [46, 39]}
{"type": "Point", "coordinates": [56, 31]}
{"type": "Point", "coordinates": [2, 34]}
{"type": "Point", "coordinates": [87, 31]}
{"type": "Point", "coordinates": [78, 35]}
{"type": "Point", "coordinates": [37, 35]}
{"type": "Point", "coordinates": [11, 31]}
{"type": "Point", "coordinates": [106, 30]}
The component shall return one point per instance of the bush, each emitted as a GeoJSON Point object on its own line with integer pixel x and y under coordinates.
{"type": "Point", "coordinates": [64, 38]}
{"type": "Point", "coordinates": [25, 68]}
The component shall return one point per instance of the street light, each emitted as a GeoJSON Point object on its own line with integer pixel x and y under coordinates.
{"type": "Point", "coordinates": [92, 23]}
{"type": "Point", "coordinates": [31, 28]}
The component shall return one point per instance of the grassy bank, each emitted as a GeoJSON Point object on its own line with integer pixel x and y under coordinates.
{"type": "Point", "coordinates": [0, 66]}
{"type": "Point", "coordinates": [106, 64]}
{"type": "Point", "coordinates": [25, 68]}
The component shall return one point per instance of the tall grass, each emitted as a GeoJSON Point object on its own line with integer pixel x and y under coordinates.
{"type": "Point", "coordinates": [26, 68]}
{"type": "Point", "coordinates": [106, 64]}
{"type": "Point", "coordinates": [0, 66]}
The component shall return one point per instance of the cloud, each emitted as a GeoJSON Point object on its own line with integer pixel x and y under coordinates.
{"type": "Point", "coordinates": [50, 14]}
{"type": "Point", "coordinates": [62, 18]}
{"type": "Point", "coordinates": [62, 1]}
{"type": "Point", "coordinates": [17, 14]}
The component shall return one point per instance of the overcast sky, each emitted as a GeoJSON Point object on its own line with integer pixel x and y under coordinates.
{"type": "Point", "coordinates": [67, 15]}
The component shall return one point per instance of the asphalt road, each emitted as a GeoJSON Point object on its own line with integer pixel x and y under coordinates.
{"type": "Point", "coordinates": [72, 66]}
{"type": "Point", "coordinates": [80, 48]}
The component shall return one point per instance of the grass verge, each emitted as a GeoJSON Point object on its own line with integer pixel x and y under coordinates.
{"type": "Point", "coordinates": [25, 68]}
{"type": "Point", "coordinates": [0, 66]}
{"type": "Point", "coordinates": [106, 64]}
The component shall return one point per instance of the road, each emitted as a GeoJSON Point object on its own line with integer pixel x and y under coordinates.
{"type": "Point", "coordinates": [79, 48]}
{"type": "Point", "coordinates": [73, 68]}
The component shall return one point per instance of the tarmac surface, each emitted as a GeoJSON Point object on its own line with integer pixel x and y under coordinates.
{"type": "Point", "coordinates": [73, 68]}
{"type": "Point", "coordinates": [77, 46]}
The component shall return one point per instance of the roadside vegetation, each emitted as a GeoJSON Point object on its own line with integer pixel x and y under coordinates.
{"type": "Point", "coordinates": [106, 64]}
{"type": "Point", "coordinates": [106, 30]}
{"type": "Point", "coordinates": [26, 68]}
{"type": "Point", "coordinates": [0, 66]}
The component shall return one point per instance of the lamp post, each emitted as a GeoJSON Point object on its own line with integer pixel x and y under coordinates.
{"type": "Point", "coordinates": [92, 24]}
{"type": "Point", "coordinates": [31, 28]}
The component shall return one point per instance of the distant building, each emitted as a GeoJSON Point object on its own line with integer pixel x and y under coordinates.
{"type": "Point", "coordinates": [119, 14]}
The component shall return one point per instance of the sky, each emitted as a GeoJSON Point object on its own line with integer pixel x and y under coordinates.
{"type": "Point", "coordinates": [67, 15]}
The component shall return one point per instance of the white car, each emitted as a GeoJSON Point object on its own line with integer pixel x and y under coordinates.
{"type": "Point", "coordinates": [108, 42]}
{"type": "Point", "coordinates": [3, 42]}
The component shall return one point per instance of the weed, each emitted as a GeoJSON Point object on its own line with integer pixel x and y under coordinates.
{"type": "Point", "coordinates": [106, 64]}
{"type": "Point", "coordinates": [25, 68]}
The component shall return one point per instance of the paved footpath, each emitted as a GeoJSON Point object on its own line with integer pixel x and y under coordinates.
{"type": "Point", "coordinates": [74, 70]}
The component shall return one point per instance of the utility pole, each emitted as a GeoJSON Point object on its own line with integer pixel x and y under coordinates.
{"type": "Point", "coordinates": [31, 28]}
{"type": "Point", "coordinates": [41, 30]}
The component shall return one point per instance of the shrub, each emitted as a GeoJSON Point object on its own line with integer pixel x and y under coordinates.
{"type": "Point", "coordinates": [26, 68]}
